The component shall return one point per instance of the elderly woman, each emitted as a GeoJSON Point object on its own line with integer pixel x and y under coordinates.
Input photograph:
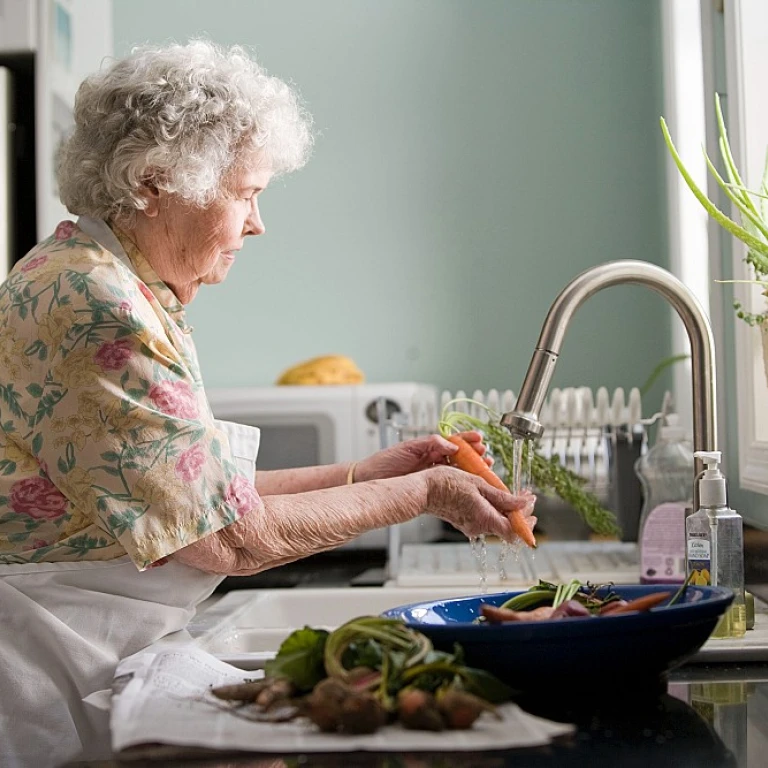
{"type": "Point", "coordinates": [123, 502]}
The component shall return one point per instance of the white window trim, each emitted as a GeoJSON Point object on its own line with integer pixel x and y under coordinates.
{"type": "Point", "coordinates": [746, 48]}
{"type": "Point", "coordinates": [684, 112]}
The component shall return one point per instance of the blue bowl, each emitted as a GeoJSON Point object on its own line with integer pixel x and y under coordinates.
{"type": "Point", "coordinates": [598, 651]}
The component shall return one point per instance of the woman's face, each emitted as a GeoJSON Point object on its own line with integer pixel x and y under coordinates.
{"type": "Point", "coordinates": [189, 246]}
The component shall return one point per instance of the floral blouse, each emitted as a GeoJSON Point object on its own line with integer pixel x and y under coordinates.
{"type": "Point", "coordinates": [107, 443]}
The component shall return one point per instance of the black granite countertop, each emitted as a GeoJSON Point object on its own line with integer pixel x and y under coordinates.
{"type": "Point", "coordinates": [707, 716]}
{"type": "Point", "coordinates": [703, 716]}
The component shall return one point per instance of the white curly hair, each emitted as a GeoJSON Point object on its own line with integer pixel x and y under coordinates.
{"type": "Point", "coordinates": [179, 117]}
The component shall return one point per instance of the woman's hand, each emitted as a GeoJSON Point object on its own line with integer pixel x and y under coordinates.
{"type": "Point", "coordinates": [474, 507]}
{"type": "Point", "coordinates": [414, 456]}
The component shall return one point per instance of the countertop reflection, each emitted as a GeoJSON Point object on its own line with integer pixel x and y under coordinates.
{"type": "Point", "coordinates": [714, 716]}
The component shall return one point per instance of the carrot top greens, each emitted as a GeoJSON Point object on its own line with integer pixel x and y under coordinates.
{"type": "Point", "coordinates": [548, 476]}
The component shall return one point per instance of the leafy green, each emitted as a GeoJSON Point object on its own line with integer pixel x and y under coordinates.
{"type": "Point", "coordinates": [753, 231]}
{"type": "Point", "coordinates": [363, 654]}
{"type": "Point", "coordinates": [541, 594]}
{"type": "Point", "coordinates": [592, 596]}
{"type": "Point", "coordinates": [680, 592]}
{"type": "Point", "coordinates": [659, 369]}
{"type": "Point", "coordinates": [485, 685]}
{"type": "Point", "coordinates": [548, 476]}
{"type": "Point", "coordinates": [431, 676]}
{"type": "Point", "coordinates": [300, 658]}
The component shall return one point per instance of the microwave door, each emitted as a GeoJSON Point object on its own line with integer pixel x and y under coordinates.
{"type": "Point", "coordinates": [6, 157]}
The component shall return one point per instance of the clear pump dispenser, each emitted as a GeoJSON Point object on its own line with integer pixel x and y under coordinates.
{"type": "Point", "coordinates": [666, 475]}
{"type": "Point", "coordinates": [715, 545]}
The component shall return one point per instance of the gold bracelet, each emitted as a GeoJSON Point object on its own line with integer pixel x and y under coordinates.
{"type": "Point", "coordinates": [351, 473]}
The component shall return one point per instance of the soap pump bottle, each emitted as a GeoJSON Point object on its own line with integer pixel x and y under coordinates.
{"type": "Point", "coordinates": [665, 472]}
{"type": "Point", "coordinates": [715, 545]}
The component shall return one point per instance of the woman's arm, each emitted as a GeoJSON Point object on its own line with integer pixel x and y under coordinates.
{"type": "Point", "coordinates": [286, 528]}
{"type": "Point", "coordinates": [400, 459]}
{"type": "Point", "coordinates": [299, 479]}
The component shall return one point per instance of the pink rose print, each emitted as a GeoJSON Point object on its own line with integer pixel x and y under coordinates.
{"type": "Point", "coordinates": [65, 230]}
{"type": "Point", "coordinates": [37, 497]}
{"type": "Point", "coordinates": [114, 355]}
{"type": "Point", "coordinates": [175, 398]}
{"type": "Point", "coordinates": [36, 544]}
{"type": "Point", "coordinates": [125, 306]}
{"type": "Point", "coordinates": [242, 495]}
{"type": "Point", "coordinates": [145, 292]}
{"type": "Point", "coordinates": [190, 463]}
{"type": "Point", "coordinates": [34, 263]}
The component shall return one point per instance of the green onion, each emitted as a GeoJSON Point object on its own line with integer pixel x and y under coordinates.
{"type": "Point", "coordinates": [682, 589]}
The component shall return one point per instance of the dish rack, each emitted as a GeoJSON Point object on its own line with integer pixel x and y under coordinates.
{"type": "Point", "coordinates": [596, 434]}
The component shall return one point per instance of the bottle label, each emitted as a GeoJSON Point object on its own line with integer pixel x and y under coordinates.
{"type": "Point", "coordinates": [662, 545]}
{"type": "Point", "coordinates": [698, 549]}
{"type": "Point", "coordinates": [699, 559]}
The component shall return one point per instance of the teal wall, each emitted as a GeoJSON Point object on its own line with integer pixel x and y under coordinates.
{"type": "Point", "coordinates": [472, 158]}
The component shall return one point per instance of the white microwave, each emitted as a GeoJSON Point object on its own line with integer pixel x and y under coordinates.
{"type": "Point", "coordinates": [310, 425]}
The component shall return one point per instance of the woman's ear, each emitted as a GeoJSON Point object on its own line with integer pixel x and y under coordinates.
{"type": "Point", "coordinates": [150, 194]}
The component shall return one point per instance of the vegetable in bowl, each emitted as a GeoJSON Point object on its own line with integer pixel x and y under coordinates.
{"type": "Point", "coordinates": [547, 601]}
{"type": "Point", "coordinates": [596, 652]}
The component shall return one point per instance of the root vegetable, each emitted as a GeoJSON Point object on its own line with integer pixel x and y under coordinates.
{"type": "Point", "coordinates": [496, 615]}
{"type": "Point", "coordinates": [334, 706]}
{"type": "Point", "coordinates": [469, 460]}
{"type": "Point", "coordinates": [245, 692]}
{"type": "Point", "coordinates": [276, 690]}
{"type": "Point", "coordinates": [361, 713]}
{"type": "Point", "coordinates": [570, 609]}
{"type": "Point", "coordinates": [418, 710]}
{"type": "Point", "coordinates": [460, 709]}
{"type": "Point", "coordinates": [611, 607]}
{"type": "Point", "coordinates": [323, 705]}
{"type": "Point", "coordinates": [644, 603]}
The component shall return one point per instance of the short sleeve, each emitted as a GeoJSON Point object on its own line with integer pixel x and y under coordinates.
{"type": "Point", "coordinates": [122, 427]}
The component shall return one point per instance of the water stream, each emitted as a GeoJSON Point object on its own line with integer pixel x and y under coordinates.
{"type": "Point", "coordinates": [522, 464]}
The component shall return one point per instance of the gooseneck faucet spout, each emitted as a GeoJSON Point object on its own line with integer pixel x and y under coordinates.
{"type": "Point", "coordinates": [524, 420]}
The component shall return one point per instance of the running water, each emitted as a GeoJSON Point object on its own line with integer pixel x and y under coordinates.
{"type": "Point", "coordinates": [519, 479]}
{"type": "Point", "coordinates": [522, 465]}
{"type": "Point", "coordinates": [480, 551]}
{"type": "Point", "coordinates": [503, 552]}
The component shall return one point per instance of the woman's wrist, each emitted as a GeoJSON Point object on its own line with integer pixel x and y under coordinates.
{"type": "Point", "coordinates": [361, 472]}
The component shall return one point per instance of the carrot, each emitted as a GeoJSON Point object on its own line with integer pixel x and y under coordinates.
{"type": "Point", "coordinates": [494, 615]}
{"type": "Point", "coordinates": [468, 459]}
{"type": "Point", "coordinates": [644, 603]}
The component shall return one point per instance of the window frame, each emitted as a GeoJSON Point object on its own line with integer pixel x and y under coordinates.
{"type": "Point", "coordinates": [746, 53]}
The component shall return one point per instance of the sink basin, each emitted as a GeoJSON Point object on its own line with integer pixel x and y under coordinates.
{"type": "Point", "coordinates": [246, 627]}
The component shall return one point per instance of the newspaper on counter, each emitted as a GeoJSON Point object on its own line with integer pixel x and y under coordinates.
{"type": "Point", "coordinates": [163, 698]}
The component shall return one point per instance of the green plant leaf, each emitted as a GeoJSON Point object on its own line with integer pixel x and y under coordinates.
{"type": "Point", "coordinates": [659, 369]}
{"type": "Point", "coordinates": [300, 658]}
{"type": "Point", "coordinates": [723, 220]}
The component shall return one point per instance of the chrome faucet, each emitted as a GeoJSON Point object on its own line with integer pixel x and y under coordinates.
{"type": "Point", "coordinates": [524, 420]}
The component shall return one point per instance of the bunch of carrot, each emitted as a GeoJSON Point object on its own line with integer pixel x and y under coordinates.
{"type": "Point", "coordinates": [469, 460]}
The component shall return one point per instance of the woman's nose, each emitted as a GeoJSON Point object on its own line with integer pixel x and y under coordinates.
{"type": "Point", "coordinates": [253, 224]}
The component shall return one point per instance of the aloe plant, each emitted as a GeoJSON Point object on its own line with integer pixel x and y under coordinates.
{"type": "Point", "coordinates": [751, 204]}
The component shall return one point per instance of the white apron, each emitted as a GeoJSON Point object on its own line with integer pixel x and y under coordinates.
{"type": "Point", "coordinates": [65, 626]}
